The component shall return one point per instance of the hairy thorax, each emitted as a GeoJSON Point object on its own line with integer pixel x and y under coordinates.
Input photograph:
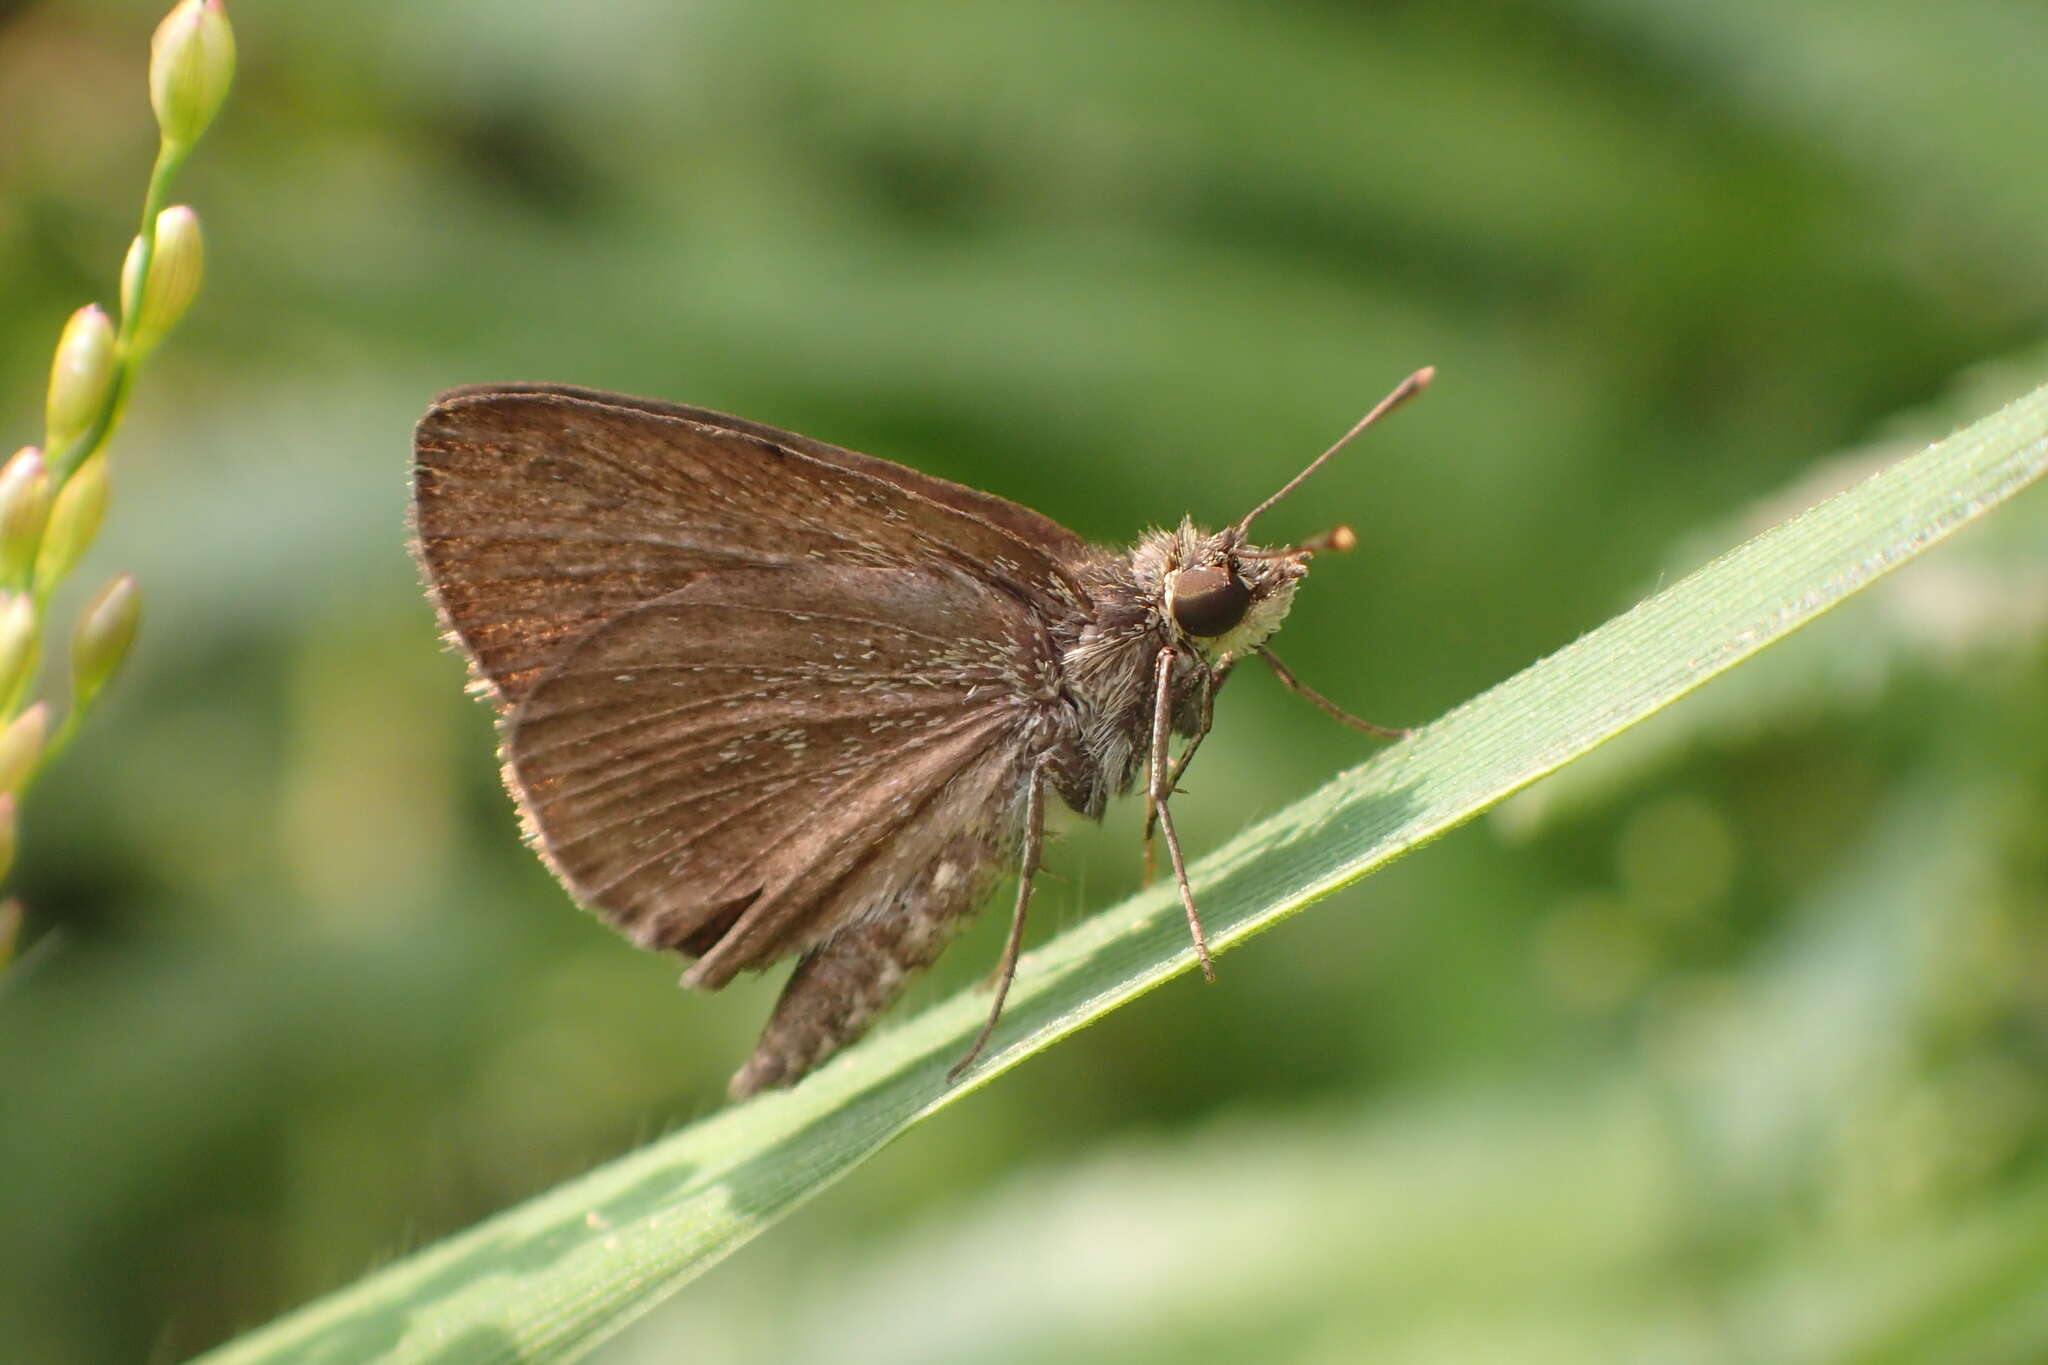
{"type": "Point", "coordinates": [1108, 657]}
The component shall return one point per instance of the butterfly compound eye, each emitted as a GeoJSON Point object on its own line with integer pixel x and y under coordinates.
{"type": "Point", "coordinates": [1209, 601]}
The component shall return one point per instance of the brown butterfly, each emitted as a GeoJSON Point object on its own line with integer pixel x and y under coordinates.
{"type": "Point", "coordinates": [761, 697]}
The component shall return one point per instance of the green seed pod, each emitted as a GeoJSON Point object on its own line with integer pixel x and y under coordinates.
{"type": "Point", "coordinates": [17, 643]}
{"type": "Point", "coordinates": [191, 65]}
{"type": "Point", "coordinates": [81, 378]}
{"type": "Point", "coordinates": [105, 630]}
{"type": "Point", "coordinates": [75, 516]}
{"type": "Point", "coordinates": [21, 744]}
{"type": "Point", "coordinates": [175, 269]}
{"type": "Point", "coordinates": [24, 507]}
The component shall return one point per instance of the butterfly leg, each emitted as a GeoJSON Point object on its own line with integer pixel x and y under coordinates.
{"type": "Point", "coordinates": [1027, 873]}
{"type": "Point", "coordinates": [1161, 788]}
{"type": "Point", "coordinates": [1328, 707]}
{"type": "Point", "coordinates": [1221, 672]}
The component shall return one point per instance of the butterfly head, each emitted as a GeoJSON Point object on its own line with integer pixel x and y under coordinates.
{"type": "Point", "coordinates": [1226, 597]}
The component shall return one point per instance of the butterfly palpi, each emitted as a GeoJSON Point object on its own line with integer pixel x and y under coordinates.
{"type": "Point", "coordinates": [761, 697]}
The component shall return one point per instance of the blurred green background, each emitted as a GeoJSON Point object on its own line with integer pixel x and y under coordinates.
{"type": "Point", "coordinates": [1728, 1044]}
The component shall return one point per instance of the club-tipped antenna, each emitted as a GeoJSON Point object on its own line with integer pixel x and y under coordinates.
{"type": "Point", "coordinates": [1405, 390]}
{"type": "Point", "coordinates": [1339, 538]}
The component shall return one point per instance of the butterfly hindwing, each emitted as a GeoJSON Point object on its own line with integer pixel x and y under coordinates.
{"type": "Point", "coordinates": [738, 768]}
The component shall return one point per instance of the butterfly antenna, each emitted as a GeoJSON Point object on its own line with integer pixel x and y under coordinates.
{"type": "Point", "coordinates": [1405, 390]}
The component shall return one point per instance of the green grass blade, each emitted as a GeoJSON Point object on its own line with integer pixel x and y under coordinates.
{"type": "Point", "coordinates": [548, 1279]}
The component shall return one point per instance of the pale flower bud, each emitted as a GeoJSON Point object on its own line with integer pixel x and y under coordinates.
{"type": "Point", "coordinates": [191, 65]}
{"type": "Point", "coordinates": [17, 642]}
{"type": "Point", "coordinates": [175, 269]}
{"type": "Point", "coordinates": [24, 507]}
{"type": "Point", "coordinates": [81, 378]}
{"type": "Point", "coordinates": [75, 517]}
{"type": "Point", "coordinates": [105, 630]}
{"type": "Point", "coordinates": [21, 744]}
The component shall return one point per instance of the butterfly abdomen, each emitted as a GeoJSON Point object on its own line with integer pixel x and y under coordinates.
{"type": "Point", "coordinates": [842, 984]}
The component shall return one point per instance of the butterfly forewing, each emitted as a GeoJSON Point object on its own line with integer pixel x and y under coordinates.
{"type": "Point", "coordinates": [747, 697]}
{"type": "Point", "coordinates": [1049, 546]}
{"type": "Point", "coordinates": [541, 512]}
